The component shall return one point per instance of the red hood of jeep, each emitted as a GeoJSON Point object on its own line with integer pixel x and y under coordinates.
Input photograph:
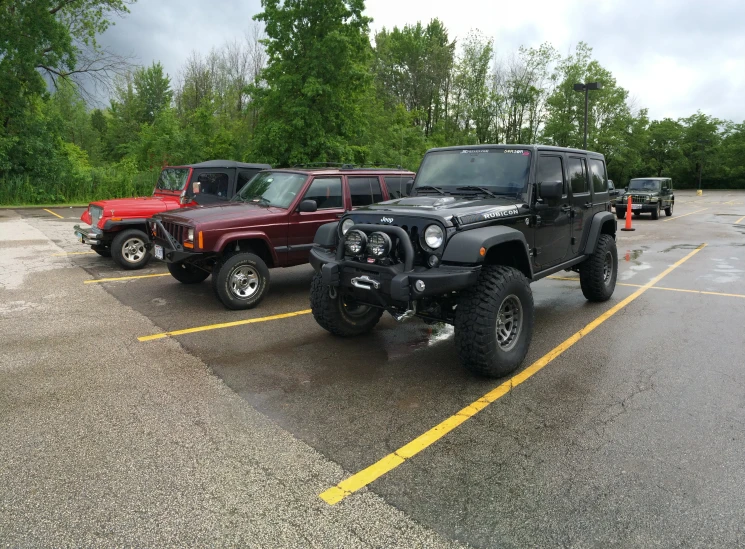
{"type": "Point", "coordinates": [132, 208]}
{"type": "Point", "coordinates": [223, 216]}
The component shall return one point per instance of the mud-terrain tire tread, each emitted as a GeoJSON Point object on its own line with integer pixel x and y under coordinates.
{"type": "Point", "coordinates": [187, 274]}
{"type": "Point", "coordinates": [329, 317]}
{"type": "Point", "coordinates": [591, 271]}
{"type": "Point", "coordinates": [475, 321]}
{"type": "Point", "coordinates": [219, 280]}
{"type": "Point", "coordinates": [116, 248]}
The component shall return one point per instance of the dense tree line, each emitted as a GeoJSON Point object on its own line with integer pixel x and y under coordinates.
{"type": "Point", "coordinates": [314, 86]}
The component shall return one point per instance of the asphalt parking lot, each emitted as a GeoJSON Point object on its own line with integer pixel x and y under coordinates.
{"type": "Point", "coordinates": [134, 415]}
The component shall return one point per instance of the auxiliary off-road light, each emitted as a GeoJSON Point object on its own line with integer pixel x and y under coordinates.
{"type": "Point", "coordinates": [346, 225]}
{"type": "Point", "coordinates": [433, 236]}
{"type": "Point", "coordinates": [355, 242]}
{"type": "Point", "coordinates": [379, 244]}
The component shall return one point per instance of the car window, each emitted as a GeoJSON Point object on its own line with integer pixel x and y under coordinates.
{"type": "Point", "coordinates": [244, 176]}
{"type": "Point", "coordinates": [215, 184]}
{"type": "Point", "coordinates": [326, 191]}
{"type": "Point", "coordinates": [365, 191]}
{"type": "Point", "coordinates": [396, 185]}
{"type": "Point", "coordinates": [599, 178]}
{"type": "Point", "coordinates": [577, 178]}
{"type": "Point", "coordinates": [550, 168]}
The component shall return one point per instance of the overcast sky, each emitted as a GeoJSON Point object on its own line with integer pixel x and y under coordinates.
{"type": "Point", "coordinates": [674, 56]}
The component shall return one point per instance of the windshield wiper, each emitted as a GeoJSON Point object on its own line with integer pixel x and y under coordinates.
{"type": "Point", "coordinates": [476, 188]}
{"type": "Point", "coordinates": [438, 189]}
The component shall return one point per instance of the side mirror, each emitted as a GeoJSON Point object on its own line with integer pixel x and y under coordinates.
{"type": "Point", "coordinates": [308, 206]}
{"type": "Point", "coordinates": [409, 185]}
{"type": "Point", "coordinates": [196, 187]}
{"type": "Point", "coordinates": [551, 189]}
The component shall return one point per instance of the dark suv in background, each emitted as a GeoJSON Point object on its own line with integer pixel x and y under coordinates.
{"type": "Point", "coordinates": [270, 223]}
{"type": "Point", "coordinates": [648, 195]}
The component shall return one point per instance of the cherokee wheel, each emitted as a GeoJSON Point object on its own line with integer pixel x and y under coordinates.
{"type": "Point", "coordinates": [241, 280]}
{"type": "Point", "coordinates": [129, 249]}
{"type": "Point", "coordinates": [494, 322]}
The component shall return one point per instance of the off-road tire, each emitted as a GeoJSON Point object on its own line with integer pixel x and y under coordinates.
{"type": "Point", "coordinates": [331, 313]}
{"type": "Point", "coordinates": [597, 284]}
{"type": "Point", "coordinates": [103, 251]}
{"type": "Point", "coordinates": [223, 277]}
{"type": "Point", "coordinates": [476, 322]}
{"type": "Point", "coordinates": [656, 212]}
{"type": "Point", "coordinates": [186, 273]}
{"type": "Point", "coordinates": [669, 209]}
{"type": "Point", "coordinates": [120, 255]}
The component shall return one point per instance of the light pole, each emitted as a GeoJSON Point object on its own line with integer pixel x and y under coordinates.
{"type": "Point", "coordinates": [586, 87]}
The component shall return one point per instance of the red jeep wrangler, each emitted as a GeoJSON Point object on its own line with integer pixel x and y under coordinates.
{"type": "Point", "coordinates": [119, 227]}
{"type": "Point", "coordinates": [270, 223]}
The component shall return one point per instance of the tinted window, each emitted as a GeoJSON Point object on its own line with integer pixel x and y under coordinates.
{"type": "Point", "coordinates": [396, 185]}
{"type": "Point", "coordinates": [599, 179]}
{"type": "Point", "coordinates": [244, 176]}
{"type": "Point", "coordinates": [326, 191]}
{"type": "Point", "coordinates": [577, 178]}
{"type": "Point", "coordinates": [365, 191]}
{"type": "Point", "coordinates": [215, 184]}
{"type": "Point", "coordinates": [550, 169]}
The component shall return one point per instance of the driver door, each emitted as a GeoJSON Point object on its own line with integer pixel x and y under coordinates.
{"type": "Point", "coordinates": [328, 194]}
{"type": "Point", "coordinates": [553, 222]}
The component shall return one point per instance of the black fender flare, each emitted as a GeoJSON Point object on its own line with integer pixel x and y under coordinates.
{"type": "Point", "coordinates": [596, 227]}
{"type": "Point", "coordinates": [327, 235]}
{"type": "Point", "coordinates": [465, 247]}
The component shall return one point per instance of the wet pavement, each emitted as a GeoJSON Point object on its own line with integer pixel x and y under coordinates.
{"type": "Point", "coordinates": [632, 436]}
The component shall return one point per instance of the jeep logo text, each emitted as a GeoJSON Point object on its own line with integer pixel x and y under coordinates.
{"type": "Point", "coordinates": [387, 220]}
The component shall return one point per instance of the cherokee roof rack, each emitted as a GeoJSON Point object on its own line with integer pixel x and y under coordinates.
{"type": "Point", "coordinates": [348, 166]}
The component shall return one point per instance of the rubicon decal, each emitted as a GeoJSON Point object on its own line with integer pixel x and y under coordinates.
{"type": "Point", "coordinates": [494, 214]}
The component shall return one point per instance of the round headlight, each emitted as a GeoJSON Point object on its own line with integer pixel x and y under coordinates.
{"type": "Point", "coordinates": [355, 242]}
{"type": "Point", "coordinates": [379, 244]}
{"type": "Point", "coordinates": [433, 236]}
{"type": "Point", "coordinates": [346, 225]}
{"type": "Point", "coordinates": [190, 234]}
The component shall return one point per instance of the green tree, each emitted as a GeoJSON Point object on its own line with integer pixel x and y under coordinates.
{"type": "Point", "coordinates": [701, 140]}
{"type": "Point", "coordinates": [153, 89]}
{"type": "Point", "coordinates": [664, 148]}
{"type": "Point", "coordinates": [316, 79]}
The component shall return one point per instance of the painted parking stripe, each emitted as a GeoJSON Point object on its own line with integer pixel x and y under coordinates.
{"type": "Point", "coordinates": [679, 216]}
{"type": "Point", "coordinates": [97, 280]}
{"type": "Point", "coordinates": [738, 221]}
{"type": "Point", "coordinates": [73, 253]}
{"type": "Point", "coordinates": [359, 480]}
{"type": "Point", "coordinates": [223, 325]}
{"type": "Point", "coordinates": [702, 292]}
{"type": "Point", "coordinates": [51, 212]}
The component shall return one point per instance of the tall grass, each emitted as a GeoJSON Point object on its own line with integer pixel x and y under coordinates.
{"type": "Point", "coordinates": [98, 184]}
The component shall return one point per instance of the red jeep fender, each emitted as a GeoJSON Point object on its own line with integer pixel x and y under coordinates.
{"type": "Point", "coordinates": [249, 235]}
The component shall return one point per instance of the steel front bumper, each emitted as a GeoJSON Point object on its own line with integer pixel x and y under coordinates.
{"type": "Point", "coordinates": [89, 235]}
{"type": "Point", "coordinates": [385, 284]}
{"type": "Point", "coordinates": [166, 248]}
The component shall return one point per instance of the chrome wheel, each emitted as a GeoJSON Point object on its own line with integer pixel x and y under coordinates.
{"type": "Point", "coordinates": [244, 282]}
{"type": "Point", "coordinates": [509, 322]}
{"type": "Point", "coordinates": [133, 250]}
{"type": "Point", "coordinates": [607, 268]}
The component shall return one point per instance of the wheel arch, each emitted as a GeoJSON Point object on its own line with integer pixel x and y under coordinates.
{"type": "Point", "coordinates": [602, 223]}
{"type": "Point", "coordinates": [504, 246]}
{"type": "Point", "coordinates": [254, 244]}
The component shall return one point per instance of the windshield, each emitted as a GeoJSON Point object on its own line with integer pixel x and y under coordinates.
{"type": "Point", "coordinates": [172, 179]}
{"type": "Point", "coordinates": [272, 189]}
{"type": "Point", "coordinates": [644, 185]}
{"type": "Point", "coordinates": [502, 171]}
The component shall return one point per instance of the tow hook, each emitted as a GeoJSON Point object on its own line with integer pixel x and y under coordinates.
{"type": "Point", "coordinates": [332, 292]}
{"type": "Point", "coordinates": [406, 314]}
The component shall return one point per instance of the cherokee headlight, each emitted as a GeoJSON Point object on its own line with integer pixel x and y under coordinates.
{"type": "Point", "coordinates": [346, 225]}
{"type": "Point", "coordinates": [379, 244]}
{"type": "Point", "coordinates": [354, 242]}
{"type": "Point", "coordinates": [190, 234]}
{"type": "Point", "coordinates": [433, 236]}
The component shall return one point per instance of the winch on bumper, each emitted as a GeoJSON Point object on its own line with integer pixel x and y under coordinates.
{"type": "Point", "coordinates": [388, 285]}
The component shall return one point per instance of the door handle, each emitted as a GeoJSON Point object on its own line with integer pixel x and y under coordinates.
{"type": "Point", "coordinates": [566, 209]}
{"type": "Point", "coordinates": [587, 204]}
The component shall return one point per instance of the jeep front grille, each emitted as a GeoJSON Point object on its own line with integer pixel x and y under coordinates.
{"type": "Point", "coordinates": [176, 230]}
{"type": "Point", "coordinates": [639, 199]}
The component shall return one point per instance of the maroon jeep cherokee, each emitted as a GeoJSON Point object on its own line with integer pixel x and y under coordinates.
{"type": "Point", "coordinates": [270, 223]}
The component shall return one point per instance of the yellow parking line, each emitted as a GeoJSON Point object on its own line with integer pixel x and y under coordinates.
{"type": "Point", "coordinates": [679, 216]}
{"type": "Point", "coordinates": [738, 221]}
{"type": "Point", "coordinates": [657, 288]}
{"type": "Point", "coordinates": [94, 281]}
{"type": "Point", "coordinates": [74, 253]}
{"type": "Point", "coordinates": [359, 480]}
{"type": "Point", "coordinates": [223, 325]}
{"type": "Point", "coordinates": [51, 212]}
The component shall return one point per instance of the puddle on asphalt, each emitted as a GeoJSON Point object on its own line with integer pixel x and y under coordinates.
{"type": "Point", "coordinates": [633, 270]}
{"type": "Point", "coordinates": [426, 336]}
{"type": "Point", "coordinates": [681, 247]}
{"type": "Point", "coordinates": [632, 255]}
{"type": "Point", "coordinates": [724, 272]}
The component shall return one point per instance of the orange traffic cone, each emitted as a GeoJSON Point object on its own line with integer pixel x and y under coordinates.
{"type": "Point", "coordinates": [628, 216]}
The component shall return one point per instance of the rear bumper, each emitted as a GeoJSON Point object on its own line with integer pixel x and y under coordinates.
{"type": "Point", "coordinates": [89, 235]}
{"type": "Point", "coordinates": [386, 285]}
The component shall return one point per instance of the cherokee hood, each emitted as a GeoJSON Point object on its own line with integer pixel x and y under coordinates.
{"type": "Point", "coordinates": [232, 214]}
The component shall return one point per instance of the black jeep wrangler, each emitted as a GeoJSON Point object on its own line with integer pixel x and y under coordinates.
{"type": "Point", "coordinates": [482, 224]}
